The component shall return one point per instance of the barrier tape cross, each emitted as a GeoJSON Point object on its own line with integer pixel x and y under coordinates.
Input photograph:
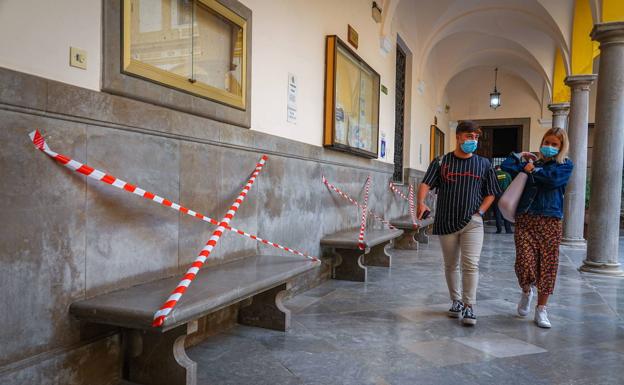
{"type": "Point", "coordinates": [96, 174]}
{"type": "Point", "coordinates": [397, 191]}
{"type": "Point", "coordinates": [356, 203]}
{"type": "Point", "coordinates": [410, 201]}
{"type": "Point", "coordinates": [411, 206]}
{"type": "Point", "coordinates": [361, 244]}
{"type": "Point", "coordinates": [191, 273]}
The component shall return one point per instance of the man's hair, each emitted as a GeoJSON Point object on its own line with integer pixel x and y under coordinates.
{"type": "Point", "coordinates": [468, 126]}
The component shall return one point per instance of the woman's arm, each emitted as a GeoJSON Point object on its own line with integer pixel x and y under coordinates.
{"type": "Point", "coordinates": [555, 176]}
{"type": "Point", "coordinates": [513, 164]}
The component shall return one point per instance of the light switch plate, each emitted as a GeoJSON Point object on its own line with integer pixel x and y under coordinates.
{"type": "Point", "coordinates": [78, 58]}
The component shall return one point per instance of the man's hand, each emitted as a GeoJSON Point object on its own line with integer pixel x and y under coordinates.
{"type": "Point", "coordinates": [529, 167]}
{"type": "Point", "coordinates": [422, 207]}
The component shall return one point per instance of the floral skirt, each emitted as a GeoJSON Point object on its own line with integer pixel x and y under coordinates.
{"type": "Point", "coordinates": [537, 251]}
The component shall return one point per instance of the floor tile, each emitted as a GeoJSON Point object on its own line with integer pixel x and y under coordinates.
{"type": "Point", "coordinates": [499, 345]}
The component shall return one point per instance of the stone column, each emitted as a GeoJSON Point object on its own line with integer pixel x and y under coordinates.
{"type": "Point", "coordinates": [608, 154]}
{"type": "Point", "coordinates": [574, 207]}
{"type": "Point", "coordinates": [560, 114]}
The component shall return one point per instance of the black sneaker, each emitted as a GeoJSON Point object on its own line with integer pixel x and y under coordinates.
{"type": "Point", "coordinates": [469, 318]}
{"type": "Point", "coordinates": [456, 309]}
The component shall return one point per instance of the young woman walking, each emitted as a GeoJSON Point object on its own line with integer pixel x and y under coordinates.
{"type": "Point", "coordinates": [539, 219]}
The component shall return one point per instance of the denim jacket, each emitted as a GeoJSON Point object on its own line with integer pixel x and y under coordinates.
{"type": "Point", "coordinates": [545, 187]}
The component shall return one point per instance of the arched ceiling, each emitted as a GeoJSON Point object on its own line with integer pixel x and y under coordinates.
{"type": "Point", "coordinates": [518, 36]}
{"type": "Point", "coordinates": [464, 50]}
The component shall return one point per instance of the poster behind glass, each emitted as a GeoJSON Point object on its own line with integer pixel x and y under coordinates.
{"type": "Point", "coordinates": [355, 104]}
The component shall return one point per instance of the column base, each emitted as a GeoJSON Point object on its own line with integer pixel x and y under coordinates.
{"type": "Point", "coordinates": [610, 269]}
{"type": "Point", "coordinates": [574, 242]}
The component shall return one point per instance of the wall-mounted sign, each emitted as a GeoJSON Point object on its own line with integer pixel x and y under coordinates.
{"type": "Point", "coordinates": [353, 37]}
{"type": "Point", "coordinates": [291, 104]}
{"type": "Point", "coordinates": [383, 145]}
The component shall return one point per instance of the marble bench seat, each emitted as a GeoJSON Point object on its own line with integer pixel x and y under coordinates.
{"type": "Point", "coordinates": [155, 356]}
{"type": "Point", "coordinates": [351, 261]}
{"type": "Point", "coordinates": [412, 235]}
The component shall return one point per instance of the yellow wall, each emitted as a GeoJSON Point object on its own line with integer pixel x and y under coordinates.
{"type": "Point", "coordinates": [561, 92]}
{"type": "Point", "coordinates": [612, 10]}
{"type": "Point", "coordinates": [583, 47]}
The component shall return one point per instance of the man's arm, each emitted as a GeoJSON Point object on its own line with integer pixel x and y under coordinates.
{"type": "Point", "coordinates": [487, 202]}
{"type": "Point", "coordinates": [423, 190]}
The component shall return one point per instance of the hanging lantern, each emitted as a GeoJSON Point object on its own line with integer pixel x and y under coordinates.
{"type": "Point", "coordinates": [495, 96]}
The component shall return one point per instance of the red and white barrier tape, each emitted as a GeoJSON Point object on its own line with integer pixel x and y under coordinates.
{"type": "Point", "coordinates": [411, 206]}
{"type": "Point", "coordinates": [361, 244]}
{"type": "Point", "coordinates": [353, 201]}
{"type": "Point", "coordinates": [191, 273]}
{"type": "Point", "coordinates": [410, 201]}
{"type": "Point", "coordinates": [40, 143]}
{"type": "Point", "coordinates": [397, 191]}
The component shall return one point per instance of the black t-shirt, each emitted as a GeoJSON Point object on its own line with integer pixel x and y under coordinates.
{"type": "Point", "coordinates": [461, 184]}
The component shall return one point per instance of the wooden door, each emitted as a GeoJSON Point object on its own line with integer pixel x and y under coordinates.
{"type": "Point", "coordinates": [485, 142]}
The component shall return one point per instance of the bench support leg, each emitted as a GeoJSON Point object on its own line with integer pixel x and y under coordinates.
{"type": "Point", "coordinates": [422, 236]}
{"type": "Point", "coordinates": [349, 265]}
{"type": "Point", "coordinates": [378, 256]}
{"type": "Point", "coordinates": [266, 310]}
{"type": "Point", "coordinates": [407, 241]}
{"type": "Point", "coordinates": [153, 358]}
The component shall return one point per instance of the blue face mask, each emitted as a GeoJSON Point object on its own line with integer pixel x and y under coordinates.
{"type": "Point", "coordinates": [469, 146]}
{"type": "Point", "coordinates": [549, 151]}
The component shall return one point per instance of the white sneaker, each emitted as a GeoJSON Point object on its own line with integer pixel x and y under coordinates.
{"type": "Point", "coordinates": [541, 318]}
{"type": "Point", "coordinates": [525, 303]}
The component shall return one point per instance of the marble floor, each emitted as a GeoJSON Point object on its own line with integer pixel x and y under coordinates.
{"type": "Point", "coordinates": [394, 330]}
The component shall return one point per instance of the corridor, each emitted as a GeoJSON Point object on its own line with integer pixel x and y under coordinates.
{"type": "Point", "coordinates": [394, 330]}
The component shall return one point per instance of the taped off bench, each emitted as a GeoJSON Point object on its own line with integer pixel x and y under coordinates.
{"type": "Point", "coordinates": [156, 356]}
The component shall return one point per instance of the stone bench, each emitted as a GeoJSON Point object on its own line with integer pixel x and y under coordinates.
{"type": "Point", "coordinates": [411, 236]}
{"type": "Point", "coordinates": [351, 261]}
{"type": "Point", "coordinates": [157, 356]}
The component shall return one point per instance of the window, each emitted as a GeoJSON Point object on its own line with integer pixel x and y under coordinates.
{"type": "Point", "coordinates": [197, 46]}
{"type": "Point", "coordinates": [399, 114]}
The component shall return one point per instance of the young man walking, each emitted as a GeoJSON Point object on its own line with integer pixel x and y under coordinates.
{"type": "Point", "coordinates": [466, 184]}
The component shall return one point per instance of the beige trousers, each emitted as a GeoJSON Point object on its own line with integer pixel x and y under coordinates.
{"type": "Point", "coordinates": [463, 247]}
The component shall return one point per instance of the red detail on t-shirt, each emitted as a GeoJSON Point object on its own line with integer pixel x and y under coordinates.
{"type": "Point", "coordinates": [448, 175]}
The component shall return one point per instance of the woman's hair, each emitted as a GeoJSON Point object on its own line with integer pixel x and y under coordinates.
{"type": "Point", "coordinates": [562, 135]}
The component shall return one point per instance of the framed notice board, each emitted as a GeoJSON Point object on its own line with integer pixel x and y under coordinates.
{"type": "Point", "coordinates": [351, 101]}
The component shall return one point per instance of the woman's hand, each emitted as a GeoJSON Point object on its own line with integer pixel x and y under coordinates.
{"type": "Point", "coordinates": [528, 155]}
{"type": "Point", "coordinates": [422, 207]}
{"type": "Point", "coordinates": [529, 167]}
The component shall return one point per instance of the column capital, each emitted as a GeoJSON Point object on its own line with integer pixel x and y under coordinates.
{"type": "Point", "coordinates": [581, 82]}
{"type": "Point", "coordinates": [559, 108]}
{"type": "Point", "coordinates": [608, 33]}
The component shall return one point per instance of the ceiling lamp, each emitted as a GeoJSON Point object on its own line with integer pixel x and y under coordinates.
{"type": "Point", "coordinates": [495, 100]}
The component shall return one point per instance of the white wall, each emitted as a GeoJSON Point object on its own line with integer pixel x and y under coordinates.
{"type": "Point", "coordinates": [36, 36]}
{"type": "Point", "coordinates": [288, 37]}
{"type": "Point", "coordinates": [469, 99]}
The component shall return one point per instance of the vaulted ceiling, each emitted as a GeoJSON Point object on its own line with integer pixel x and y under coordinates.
{"type": "Point", "coordinates": [517, 36]}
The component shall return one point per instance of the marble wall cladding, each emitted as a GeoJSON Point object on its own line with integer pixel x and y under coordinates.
{"type": "Point", "coordinates": [95, 363]}
{"type": "Point", "coordinates": [42, 237]}
{"type": "Point", "coordinates": [130, 240]}
{"type": "Point", "coordinates": [291, 210]}
{"type": "Point", "coordinates": [66, 237]}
